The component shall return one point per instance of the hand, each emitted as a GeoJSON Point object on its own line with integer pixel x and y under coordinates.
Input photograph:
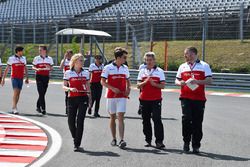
{"type": "Point", "coordinates": [152, 82]}
{"type": "Point", "coordinates": [26, 81]}
{"type": "Point", "coordinates": [3, 82]}
{"type": "Point", "coordinates": [115, 90]}
{"type": "Point", "coordinates": [127, 92]}
{"type": "Point", "coordinates": [38, 69]}
{"type": "Point", "coordinates": [183, 83]}
{"type": "Point", "coordinates": [193, 81]}
{"type": "Point", "coordinates": [73, 90]}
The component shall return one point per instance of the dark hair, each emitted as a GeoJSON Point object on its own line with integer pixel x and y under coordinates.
{"type": "Point", "coordinates": [192, 49]}
{"type": "Point", "coordinates": [19, 49]}
{"type": "Point", "coordinates": [119, 51]}
{"type": "Point", "coordinates": [43, 47]}
{"type": "Point", "coordinates": [98, 57]}
{"type": "Point", "coordinates": [69, 51]}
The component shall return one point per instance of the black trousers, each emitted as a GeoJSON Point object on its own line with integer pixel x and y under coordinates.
{"type": "Point", "coordinates": [77, 110]}
{"type": "Point", "coordinates": [66, 101]}
{"type": "Point", "coordinates": [192, 118]}
{"type": "Point", "coordinates": [42, 85]}
{"type": "Point", "coordinates": [152, 109]}
{"type": "Point", "coordinates": [96, 94]}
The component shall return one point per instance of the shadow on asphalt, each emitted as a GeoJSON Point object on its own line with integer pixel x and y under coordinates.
{"type": "Point", "coordinates": [222, 157]}
{"type": "Point", "coordinates": [91, 117]}
{"type": "Point", "coordinates": [141, 150]}
{"type": "Point", "coordinates": [100, 153]}
{"type": "Point", "coordinates": [129, 117]}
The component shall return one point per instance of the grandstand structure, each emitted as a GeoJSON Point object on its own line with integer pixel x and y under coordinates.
{"type": "Point", "coordinates": [36, 21]}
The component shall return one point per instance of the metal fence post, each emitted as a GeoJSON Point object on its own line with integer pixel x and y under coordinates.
{"type": "Point", "coordinates": [151, 37]}
{"type": "Point", "coordinates": [174, 25]}
{"type": "Point", "coordinates": [241, 35]}
{"type": "Point", "coordinates": [133, 48]}
{"type": "Point", "coordinates": [204, 33]}
{"type": "Point", "coordinates": [34, 31]}
{"type": "Point", "coordinates": [145, 24]}
{"type": "Point", "coordinates": [12, 38]}
{"type": "Point", "coordinates": [45, 30]}
{"type": "Point", "coordinates": [2, 27]}
{"type": "Point", "coordinates": [23, 32]}
{"type": "Point", "coordinates": [57, 44]}
{"type": "Point", "coordinates": [127, 33]}
{"type": "Point", "coordinates": [118, 26]}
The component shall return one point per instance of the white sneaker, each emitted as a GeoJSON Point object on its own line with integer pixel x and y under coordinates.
{"type": "Point", "coordinates": [14, 111]}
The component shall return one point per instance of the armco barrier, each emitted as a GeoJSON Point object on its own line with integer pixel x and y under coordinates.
{"type": "Point", "coordinates": [237, 82]}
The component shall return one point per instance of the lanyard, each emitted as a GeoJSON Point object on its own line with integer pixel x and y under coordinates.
{"type": "Point", "coordinates": [192, 68]}
{"type": "Point", "coordinates": [151, 72]}
{"type": "Point", "coordinates": [19, 59]}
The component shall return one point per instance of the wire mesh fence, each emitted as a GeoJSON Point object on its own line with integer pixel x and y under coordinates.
{"type": "Point", "coordinates": [221, 35]}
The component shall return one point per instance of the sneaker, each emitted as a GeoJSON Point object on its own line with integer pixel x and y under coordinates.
{"type": "Point", "coordinates": [44, 112]}
{"type": "Point", "coordinates": [186, 147]}
{"type": "Point", "coordinates": [89, 111]}
{"type": "Point", "coordinates": [96, 115]}
{"type": "Point", "coordinates": [122, 144]}
{"type": "Point", "coordinates": [113, 142]}
{"type": "Point", "coordinates": [78, 149]}
{"type": "Point", "coordinates": [148, 144]}
{"type": "Point", "coordinates": [160, 145]}
{"type": "Point", "coordinates": [14, 111]}
{"type": "Point", "coordinates": [196, 150]}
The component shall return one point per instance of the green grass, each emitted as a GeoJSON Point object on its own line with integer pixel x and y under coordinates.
{"type": "Point", "coordinates": [220, 54]}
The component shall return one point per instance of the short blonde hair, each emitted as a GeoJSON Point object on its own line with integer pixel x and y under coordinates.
{"type": "Point", "coordinates": [73, 60]}
{"type": "Point", "coordinates": [149, 54]}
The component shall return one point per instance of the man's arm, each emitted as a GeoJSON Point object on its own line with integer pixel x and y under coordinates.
{"type": "Point", "coordinates": [128, 88]}
{"type": "Point", "coordinates": [5, 74]}
{"type": "Point", "coordinates": [206, 81]}
{"type": "Point", "coordinates": [0, 74]}
{"type": "Point", "coordinates": [27, 75]}
{"type": "Point", "coordinates": [105, 84]}
{"type": "Point", "coordinates": [62, 64]}
{"type": "Point", "coordinates": [179, 82]}
{"type": "Point", "coordinates": [160, 85]}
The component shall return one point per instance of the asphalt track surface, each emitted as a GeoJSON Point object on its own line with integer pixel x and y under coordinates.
{"type": "Point", "coordinates": [226, 140]}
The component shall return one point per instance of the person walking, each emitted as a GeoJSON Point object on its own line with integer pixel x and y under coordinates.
{"type": "Point", "coordinates": [192, 76]}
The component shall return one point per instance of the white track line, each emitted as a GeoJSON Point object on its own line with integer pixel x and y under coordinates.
{"type": "Point", "coordinates": [12, 121]}
{"type": "Point", "coordinates": [2, 137]}
{"type": "Point", "coordinates": [12, 164]}
{"type": "Point", "coordinates": [25, 134]}
{"type": "Point", "coordinates": [5, 116]}
{"type": "Point", "coordinates": [56, 142]}
{"type": "Point", "coordinates": [19, 126]}
{"type": "Point", "coordinates": [23, 153]}
{"type": "Point", "coordinates": [24, 142]}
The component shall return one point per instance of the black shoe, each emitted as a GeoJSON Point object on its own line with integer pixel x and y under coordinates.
{"type": "Point", "coordinates": [186, 147]}
{"type": "Point", "coordinates": [96, 115]}
{"type": "Point", "coordinates": [44, 112]}
{"type": "Point", "coordinates": [139, 111]}
{"type": "Point", "coordinates": [78, 149]}
{"type": "Point", "coordinates": [196, 150]}
{"type": "Point", "coordinates": [160, 145]}
{"type": "Point", "coordinates": [122, 144]}
{"type": "Point", "coordinates": [113, 142]}
{"type": "Point", "coordinates": [38, 110]}
{"type": "Point", "coordinates": [89, 111]}
{"type": "Point", "coordinates": [148, 144]}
